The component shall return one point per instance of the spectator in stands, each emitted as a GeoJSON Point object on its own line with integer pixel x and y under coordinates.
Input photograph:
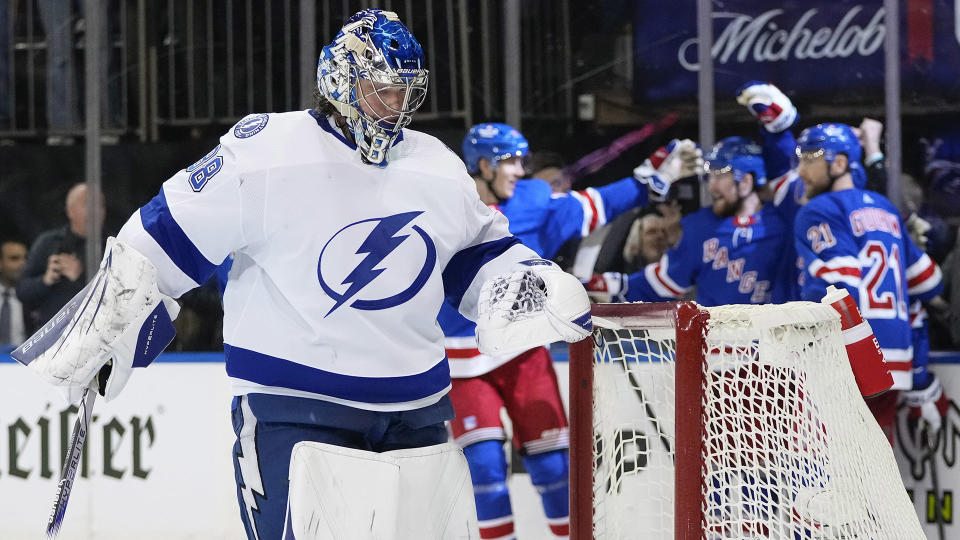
{"type": "Point", "coordinates": [63, 104]}
{"type": "Point", "coordinates": [647, 241]}
{"type": "Point", "coordinates": [13, 254]}
{"type": "Point", "coordinates": [634, 241]}
{"type": "Point", "coordinates": [61, 25]}
{"type": "Point", "coordinates": [54, 270]}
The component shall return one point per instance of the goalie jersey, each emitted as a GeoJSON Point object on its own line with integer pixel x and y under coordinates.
{"type": "Point", "coordinates": [732, 260]}
{"type": "Point", "coordinates": [543, 221]}
{"type": "Point", "coordinates": [338, 267]}
{"type": "Point", "coordinates": [855, 238]}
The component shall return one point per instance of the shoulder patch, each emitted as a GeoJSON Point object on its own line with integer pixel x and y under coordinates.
{"type": "Point", "coordinates": [250, 125]}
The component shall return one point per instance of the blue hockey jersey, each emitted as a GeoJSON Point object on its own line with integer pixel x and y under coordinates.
{"type": "Point", "coordinates": [779, 157]}
{"type": "Point", "coordinates": [543, 221]}
{"type": "Point", "coordinates": [855, 238]}
{"type": "Point", "coordinates": [733, 260]}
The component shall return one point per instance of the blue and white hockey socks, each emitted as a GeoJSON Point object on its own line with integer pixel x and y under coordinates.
{"type": "Point", "coordinates": [488, 471]}
{"type": "Point", "coordinates": [550, 474]}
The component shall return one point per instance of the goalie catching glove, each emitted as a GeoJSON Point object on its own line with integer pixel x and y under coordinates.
{"type": "Point", "coordinates": [535, 304]}
{"type": "Point", "coordinates": [119, 321]}
{"type": "Point", "coordinates": [678, 159]}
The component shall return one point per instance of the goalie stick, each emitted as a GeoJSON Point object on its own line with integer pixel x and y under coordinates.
{"type": "Point", "coordinates": [72, 461]}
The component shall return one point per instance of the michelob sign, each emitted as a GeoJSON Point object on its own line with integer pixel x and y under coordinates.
{"type": "Point", "coordinates": [810, 50]}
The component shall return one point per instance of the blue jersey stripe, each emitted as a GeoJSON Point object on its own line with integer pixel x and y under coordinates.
{"type": "Point", "coordinates": [465, 265]}
{"type": "Point", "coordinates": [159, 223]}
{"type": "Point", "coordinates": [454, 324]}
{"type": "Point", "coordinates": [269, 370]}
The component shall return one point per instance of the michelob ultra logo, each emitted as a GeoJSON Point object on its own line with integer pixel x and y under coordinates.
{"type": "Point", "coordinates": [768, 38]}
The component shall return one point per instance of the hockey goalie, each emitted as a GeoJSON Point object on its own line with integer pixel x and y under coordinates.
{"type": "Point", "coordinates": [347, 231]}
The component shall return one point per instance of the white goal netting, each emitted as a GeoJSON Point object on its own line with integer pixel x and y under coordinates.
{"type": "Point", "coordinates": [787, 447]}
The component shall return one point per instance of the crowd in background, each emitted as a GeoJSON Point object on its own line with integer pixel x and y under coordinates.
{"type": "Point", "coordinates": [35, 285]}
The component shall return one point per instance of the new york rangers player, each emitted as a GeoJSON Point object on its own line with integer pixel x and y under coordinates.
{"type": "Point", "coordinates": [776, 114]}
{"type": "Point", "coordinates": [855, 238]}
{"type": "Point", "coordinates": [348, 231]}
{"type": "Point", "coordinates": [525, 384]}
{"type": "Point", "coordinates": [732, 251]}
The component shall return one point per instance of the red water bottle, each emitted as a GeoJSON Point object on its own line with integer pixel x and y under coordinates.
{"type": "Point", "coordinates": [863, 350]}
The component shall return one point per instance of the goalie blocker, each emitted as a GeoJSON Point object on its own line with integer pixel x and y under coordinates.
{"type": "Point", "coordinates": [118, 322]}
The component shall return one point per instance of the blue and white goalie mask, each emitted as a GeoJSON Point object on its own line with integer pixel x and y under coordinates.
{"type": "Point", "coordinates": [374, 74]}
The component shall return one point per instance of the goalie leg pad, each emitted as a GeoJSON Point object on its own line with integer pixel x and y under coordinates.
{"type": "Point", "coordinates": [338, 492]}
{"type": "Point", "coordinates": [119, 321]}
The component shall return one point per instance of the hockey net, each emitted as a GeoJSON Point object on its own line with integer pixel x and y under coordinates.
{"type": "Point", "coordinates": [729, 422]}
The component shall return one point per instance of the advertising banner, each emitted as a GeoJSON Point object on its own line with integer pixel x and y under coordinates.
{"type": "Point", "coordinates": [932, 475]}
{"type": "Point", "coordinates": [157, 463]}
{"type": "Point", "coordinates": [158, 458]}
{"type": "Point", "coordinates": [834, 49]}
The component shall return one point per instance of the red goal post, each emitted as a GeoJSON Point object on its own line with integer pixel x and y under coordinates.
{"type": "Point", "coordinates": [729, 422]}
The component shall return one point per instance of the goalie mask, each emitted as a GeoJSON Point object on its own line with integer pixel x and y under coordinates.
{"type": "Point", "coordinates": [373, 73]}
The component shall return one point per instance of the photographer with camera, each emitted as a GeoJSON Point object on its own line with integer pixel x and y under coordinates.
{"type": "Point", "coordinates": [54, 270]}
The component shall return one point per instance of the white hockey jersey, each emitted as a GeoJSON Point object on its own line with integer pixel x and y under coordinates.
{"type": "Point", "coordinates": [340, 268]}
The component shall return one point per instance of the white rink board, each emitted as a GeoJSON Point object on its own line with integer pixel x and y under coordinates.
{"type": "Point", "coordinates": [189, 492]}
{"type": "Point", "coordinates": [176, 417]}
{"type": "Point", "coordinates": [915, 465]}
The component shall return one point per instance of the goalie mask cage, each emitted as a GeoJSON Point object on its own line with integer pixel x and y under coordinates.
{"type": "Point", "coordinates": [727, 422]}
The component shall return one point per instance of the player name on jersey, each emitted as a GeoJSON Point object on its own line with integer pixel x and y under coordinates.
{"type": "Point", "coordinates": [865, 220]}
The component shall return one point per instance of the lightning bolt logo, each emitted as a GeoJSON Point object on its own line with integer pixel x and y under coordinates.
{"type": "Point", "coordinates": [381, 241]}
{"type": "Point", "coordinates": [249, 465]}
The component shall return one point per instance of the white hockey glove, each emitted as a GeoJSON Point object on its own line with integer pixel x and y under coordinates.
{"type": "Point", "coordinates": [535, 304]}
{"type": "Point", "coordinates": [767, 104]}
{"type": "Point", "coordinates": [119, 321]}
{"type": "Point", "coordinates": [678, 159]}
{"type": "Point", "coordinates": [928, 408]}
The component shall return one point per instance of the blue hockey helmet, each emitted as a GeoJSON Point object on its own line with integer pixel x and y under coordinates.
{"type": "Point", "coordinates": [374, 46]}
{"type": "Point", "coordinates": [492, 142]}
{"type": "Point", "coordinates": [738, 155]}
{"type": "Point", "coordinates": [830, 139]}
